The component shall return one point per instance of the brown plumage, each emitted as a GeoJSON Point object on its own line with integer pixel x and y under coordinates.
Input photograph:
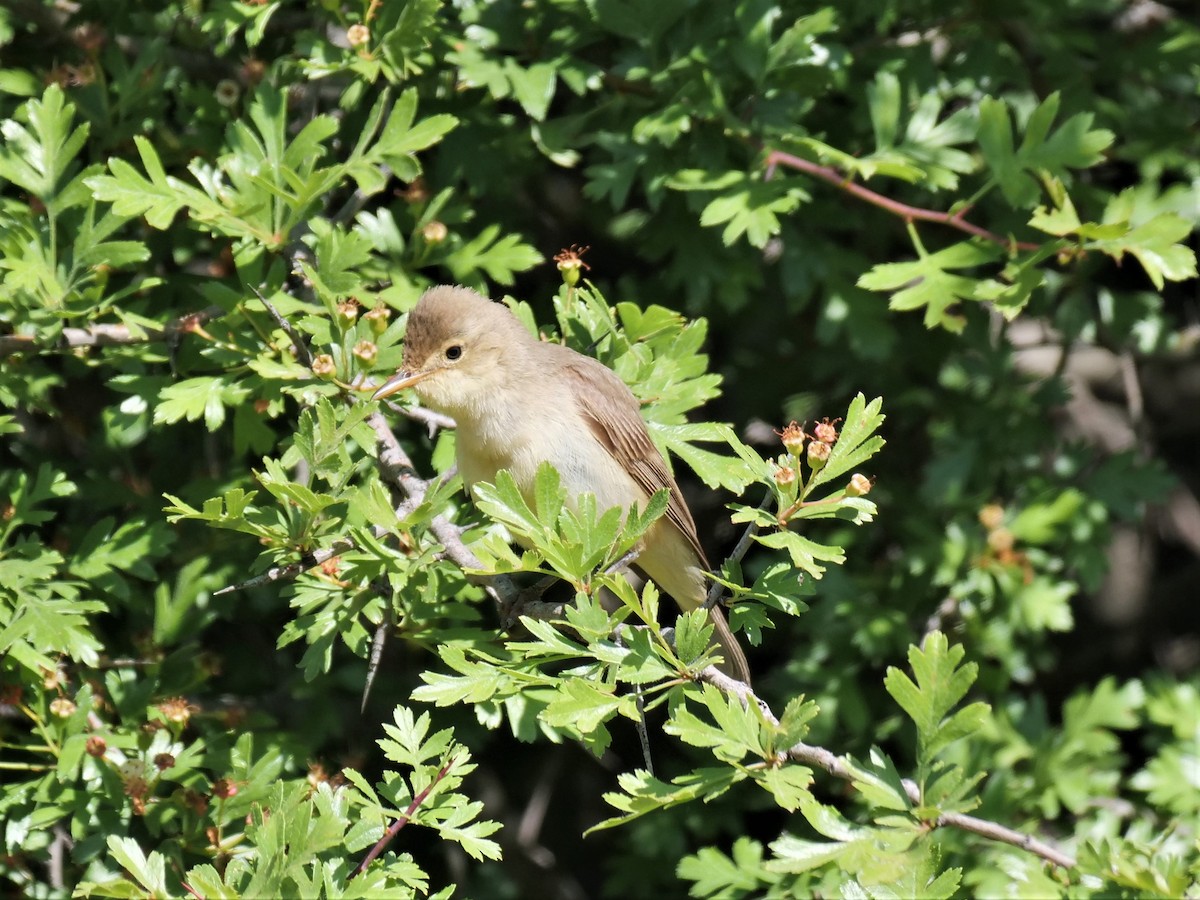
{"type": "Point", "coordinates": [519, 401]}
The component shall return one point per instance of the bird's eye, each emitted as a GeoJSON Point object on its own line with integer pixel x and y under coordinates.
{"type": "Point", "coordinates": [453, 352]}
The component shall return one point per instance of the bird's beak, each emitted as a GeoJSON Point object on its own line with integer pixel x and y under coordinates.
{"type": "Point", "coordinates": [398, 382]}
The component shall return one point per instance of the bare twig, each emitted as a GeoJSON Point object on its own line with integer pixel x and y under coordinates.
{"type": "Point", "coordinates": [109, 334]}
{"type": "Point", "coordinates": [403, 820]}
{"type": "Point", "coordinates": [643, 730]}
{"type": "Point", "coordinates": [1133, 388]}
{"type": "Point", "coordinates": [303, 355]}
{"type": "Point", "coordinates": [740, 550]}
{"type": "Point", "coordinates": [776, 158]}
{"type": "Point", "coordinates": [427, 417]}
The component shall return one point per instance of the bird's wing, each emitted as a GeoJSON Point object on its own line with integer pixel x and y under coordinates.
{"type": "Point", "coordinates": [615, 421]}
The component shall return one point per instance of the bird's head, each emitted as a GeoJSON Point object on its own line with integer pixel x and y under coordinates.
{"type": "Point", "coordinates": [459, 348]}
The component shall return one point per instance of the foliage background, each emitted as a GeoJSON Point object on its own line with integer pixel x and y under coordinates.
{"type": "Point", "coordinates": [1036, 498]}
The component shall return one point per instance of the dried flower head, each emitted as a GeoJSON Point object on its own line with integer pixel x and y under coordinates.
{"type": "Point", "coordinates": [991, 516]}
{"type": "Point", "coordinates": [377, 319]}
{"type": "Point", "coordinates": [859, 485]}
{"type": "Point", "coordinates": [366, 351]}
{"type": "Point", "coordinates": [177, 710]}
{"type": "Point", "coordinates": [62, 707]}
{"type": "Point", "coordinates": [826, 431]}
{"type": "Point", "coordinates": [570, 262]}
{"type": "Point", "coordinates": [818, 454]}
{"type": "Point", "coordinates": [793, 438]}
{"type": "Point", "coordinates": [324, 367]}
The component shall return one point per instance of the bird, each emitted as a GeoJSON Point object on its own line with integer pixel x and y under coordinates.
{"type": "Point", "coordinates": [519, 401]}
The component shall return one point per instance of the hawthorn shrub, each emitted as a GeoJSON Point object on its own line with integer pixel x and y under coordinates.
{"type": "Point", "coordinates": [253, 639]}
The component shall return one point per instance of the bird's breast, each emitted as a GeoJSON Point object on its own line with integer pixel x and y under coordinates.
{"type": "Point", "coordinates": [556, 434]}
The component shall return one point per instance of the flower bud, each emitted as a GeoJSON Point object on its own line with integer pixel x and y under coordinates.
{"type": "Point", "coordinates": [377, 319]}
{"type": "Point", "coordinates": [793, 438]}
{"type": "Point", "coordinates": [96, 746]}
{"type": "Point", "coordinates": [818, 454]}
{"type": "Point", "coordinates": [366, 351]}
{"type": "Point", "coordinates": [435, 232]}
{"type": "Point", "coordinates": [859, 485]}
{"type": "Point", "coordinates": [323, 367]}
{"type": "Point", "coordinates": [357, 35]}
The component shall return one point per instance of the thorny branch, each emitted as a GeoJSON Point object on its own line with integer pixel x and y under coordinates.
{"type": "Point", "coordinates": [776, 158]}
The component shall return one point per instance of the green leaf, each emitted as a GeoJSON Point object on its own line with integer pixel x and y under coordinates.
{"type": "Point", "coordinates": [803, 551]}
{"type": "Point", "coordinates": [1073, 145]}
{"type": "Point", "coordinates": [149, 871]}
{"type": "Point", "coordinates": [498, 257]}
{"type": "Point", "coordinates": [930, 282]}
{"type": "Point", "coordinates": [712, 872]}
{"type": "Point", "coordinates": [751, 208]}
{"type": "Point", "coordinates": [857, 441]}
{"type": "Point", "coordinates": [533, 87]}
{"type": "Point", "coordinates": [204, 397]}
{"type": "Point", "coordinates": [940, 684]}
{"type": "Point", "coordinates": [39, 158]}
{"type": "Point", "coordinates": [642, 793]}
{"type": "Point", "coordinates": [581, 705]}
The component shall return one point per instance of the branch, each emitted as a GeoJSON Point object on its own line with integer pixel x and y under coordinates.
{"type": "Point", "coordinates": [109, 334]}
{"type": "Point", "coordinates": [837, 766]}
{"type": "Point", "coordinates": [427, 417]}
{"type": "Point", "coordinates": [294, 570]}
{"type": "Point", "coordinates": [740, 550]}
{"type": "Point", "coordinates": [397, 469]}
{"type": "Point", "coordinates": [908, 213]}
{"type": "Point", "coordinates": [303, 355]}
{"type": "Point", "coordinates": [404, 819]}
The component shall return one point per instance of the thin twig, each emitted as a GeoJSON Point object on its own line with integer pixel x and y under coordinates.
{"type": "Point", "coordinates": [432, 420]}
{"type": "Point", "coordinates": [303, 355]}
{"type": "Point", "coordinates": [906, 212]}
{"type": "Point", "coordinates": [109, 334]}
{"type": "Point", "coordinates": [739, 551]}
{"type": "Point", "coordinates": [643, 730]}
{"type": "Point", "coordinates": [292, 571]}
{"type": "Point", "coordinates": [403, 820]}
